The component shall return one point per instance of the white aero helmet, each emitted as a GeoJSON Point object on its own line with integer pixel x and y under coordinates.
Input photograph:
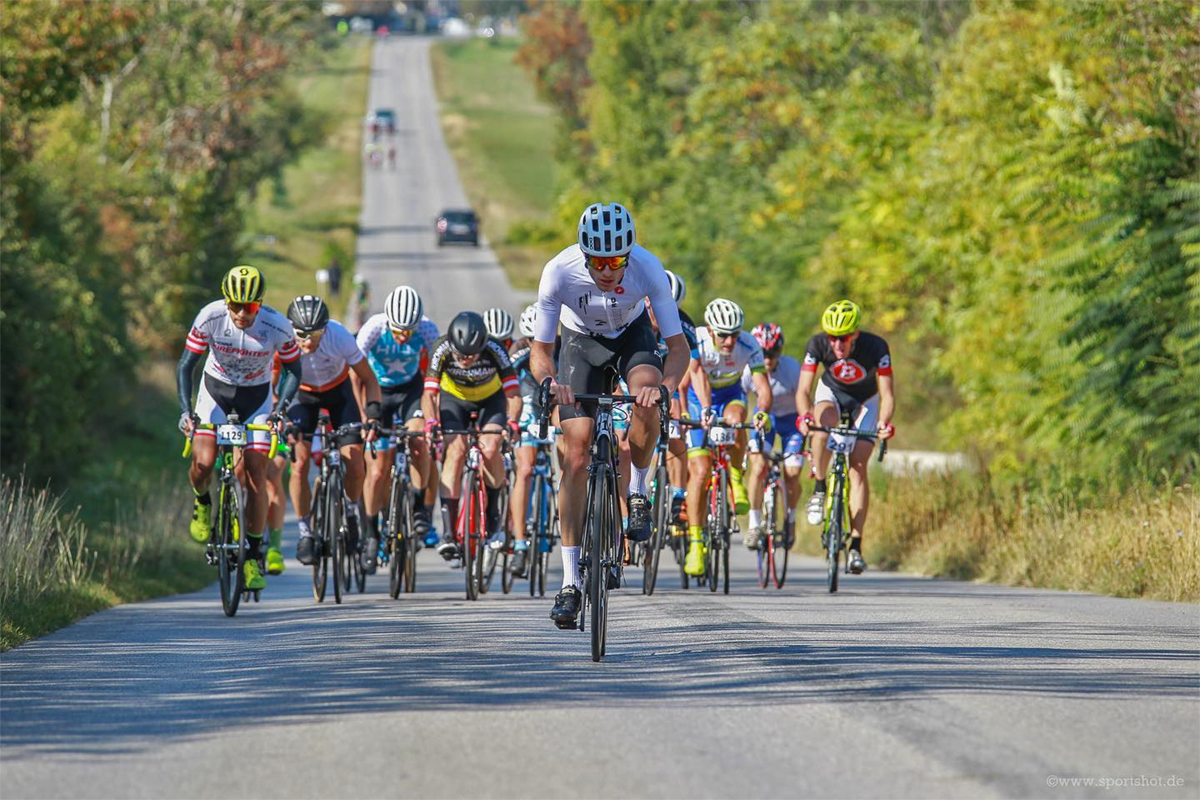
{"type": "Point", "coordinates": [678, 287]}
{"type": "Point", "coordinates": [499, 323]}
{"type": "Point", "coordinates": [606, 229]}
{"type": "Point", "coordinates": [528, 320]}
{"type": "Point", "coordinates": [724, 316]}
{"type": "Point", "coordinates": [403, 308]}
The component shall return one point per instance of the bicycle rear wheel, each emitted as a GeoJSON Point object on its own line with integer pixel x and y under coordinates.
{"type": "Point", "coordinates": [662, 520]}
{"type": "Point", "coordinates": [506, 576]}
{"type": "Point", "coordinates": [320, 566]}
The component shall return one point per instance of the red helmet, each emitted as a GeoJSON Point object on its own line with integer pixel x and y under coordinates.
{"type": "Point", "coordinates": [769, 336]}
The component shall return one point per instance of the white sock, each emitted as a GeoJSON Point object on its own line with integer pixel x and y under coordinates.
{"type": "Point", "coordinates": [570, 557]}
{"type": "Point", "coordinates": [637, 479]}
{"type": "Point", "coordinates": [791, 515]}
{"type": "Point", "coordinates": [755, 518]}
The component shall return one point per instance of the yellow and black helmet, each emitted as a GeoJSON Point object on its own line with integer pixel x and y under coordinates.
{"type": "Point", "coordinates": [243, 284]}
{"type": "Point", "coordinates": [841, 318]}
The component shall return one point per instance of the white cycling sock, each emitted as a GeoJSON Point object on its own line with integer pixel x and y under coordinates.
{"type": "Point", "coordinates": [637, 479]}
{"type": "Point", "coordinates": [755, 518]}
{"type": "Point", "coordinates": [791, 515]}
{"type": "Point", "coordinates": [570, 558]}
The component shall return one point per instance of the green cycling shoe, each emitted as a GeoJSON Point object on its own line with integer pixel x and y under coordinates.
{"type": "Point", "coordinates": [741, 500]}
{"type": "Point", "coordinates": [201, 525]}
{"type": "Point", "coordinates": [254, 576]}
{"type": "Point", "coordinates": [275, 565]}
{"type": "Point", "coordinates": [694, 565]}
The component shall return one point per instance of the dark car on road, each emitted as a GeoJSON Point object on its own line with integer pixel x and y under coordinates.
{"type": "Point", "coordinates": [457, 225]}
{"type": "Point", "coordinates": [382, 120]}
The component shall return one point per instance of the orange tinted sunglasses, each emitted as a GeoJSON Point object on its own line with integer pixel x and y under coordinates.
{"type": "Point", "coordinates": [244, 308]}
{"type": "Point", "coordinates": [601, 263]}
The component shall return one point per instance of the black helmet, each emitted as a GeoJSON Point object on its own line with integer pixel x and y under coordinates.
{"type": "Point", "coordinates": [308, 313]}
{"type": "Point", "coordinates": [468, 333]}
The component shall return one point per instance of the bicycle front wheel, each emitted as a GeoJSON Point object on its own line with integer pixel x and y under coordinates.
{"type": "Point", "coordinates": [833, 539]}
{"type": "Point", "coordinates": [232, 547]}
{"type": "Point", "coordinates": [600, 527]}
{"type": "Point", "coordinates": [468, 522]}
{"type": "Point", "coordinates": [397, 535]}
{"type": "Point", "coordinates": [777, 533]}
{"type": "Point", "coordinates": [662, 519]}
{"type": "Point", "coordinates": [335, 534]}
{"type": "Point", "coordinates": [320, 566]}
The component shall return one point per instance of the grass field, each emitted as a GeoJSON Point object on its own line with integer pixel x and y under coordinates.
{"type": "Point", "coordinates": [126, 514]}
{"type": "Point", "coordinates": [314, 206]}
{"type": "Point", "coordinates": [501, 136]}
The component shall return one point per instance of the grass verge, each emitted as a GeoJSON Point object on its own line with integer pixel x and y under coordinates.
{"type": "Point", "coordinates": [501, 136]}
{"type": "Point", "coordinates": [118, 533]}
{"type": "Point", "coordinates": [1141, 543]}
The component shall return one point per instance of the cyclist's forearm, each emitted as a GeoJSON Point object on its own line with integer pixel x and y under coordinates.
{"type": "Point", "coordinates": [541, 360]}
{"type": "Point", "coordinates": [887, 402]}
{"type": "Point", "coordinates": [289, 383]}
{"type": "Point", "coordinates": [183, 379]}
{"type": "Point", "coordinates": [763, 398]}
{"type": "Point", "coordinates": [513, 404]}
{"type": "Point", "coordinates": [701, 386]}
{"type": "Point", "coordinates": [678, 358]}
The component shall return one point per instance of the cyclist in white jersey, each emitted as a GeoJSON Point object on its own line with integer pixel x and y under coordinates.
{"type": "Point", "coordinates": [598, 288]}
{"type": "Point", "coordinates": [329, 355]}
{"type": "Point", "coordinates": [783, 372]}
{"type": "Point", "coordinates": [241, 337]}
{"type": "Point", "coordinates": [725, 351]}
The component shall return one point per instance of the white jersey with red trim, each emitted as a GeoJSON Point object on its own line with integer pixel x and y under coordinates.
{"type": "Point", "coordinates": [241, 357]}
{"type": "Point", "coordinates": [328, 365]}
{"type": "Point", "coordinates": [568, 291]}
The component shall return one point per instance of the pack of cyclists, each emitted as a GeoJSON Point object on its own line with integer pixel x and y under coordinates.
{"type": "Point", "coordinates": [607, 314]}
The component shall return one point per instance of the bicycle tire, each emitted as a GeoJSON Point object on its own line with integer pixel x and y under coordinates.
{"type": "Point", "coordinates": [764, 556]}
{"type": "Point", "coordinates": [724, 531]}
{"type": "Point", "coordinates": [233, 548]}
{"type": "Point", "coordinates": [833, 540]}
{"type": "Point", "coordinates": [466, 516]}
{"type": "Point", "coordinates": [662, 521]}
{"type": "Point", "coordinates": [357, 570]}
{"type": "Point", "coordinates": [320, 566]}
{"type": "Point", "coordinates": [411, 544]}
{"type": "Point", "coordinates": [336, 533]}
{"type": "Point", "coordinates": [778, 538]}
{"type": "Point", "coordinates": [597, 580]}
{"type": "Point", "coordinates": [537, 503]}
{"type": "Point", "coordinates": [712, 563]}
{"type": "Point", "coordinates": [398, 562]}
{"type": "Point", "coordinates": [506, 577]}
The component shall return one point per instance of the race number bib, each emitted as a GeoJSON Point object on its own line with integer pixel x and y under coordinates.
{"type": "Point", "coordinates": [234, 435]}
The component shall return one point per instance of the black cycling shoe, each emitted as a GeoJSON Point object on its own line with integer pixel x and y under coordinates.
{"type": "Point", "coordinates": [448, 549]}
{"type": "Point", "coordinates": [421, 523]}
{"type": "Point", "coordinates": [370, 555]}
{"type": "Point", "coordinates": [308, 550]}
{"type": "Point", "coordinates": [614, 580]}
{"type": "Point", "coordinates": [566, 607]}
{"type": "Point", "coordinates": [520, 563]}
{"type": "Point", "coordinates": [639, 518]}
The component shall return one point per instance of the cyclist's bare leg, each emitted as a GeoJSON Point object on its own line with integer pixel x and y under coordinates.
{"type": "Point", "coordinates": [699, 471]}
{"type": "Point", "coordinates": [276, 505]}
{"type": "Point", "coordinates": [756, 479]}
{"type": "Point", "coordinates": [375, 488]}
{"type": "Point", "coordinates": [791, 481]}
{"type": "Point", "coordinates": [643, 427]}
{"type": "Point", "coordinates": [860, 487]}
{"type": "Point", "coordinates": [735, 414]}
{"type": "Point", "coordinates": [624, 461]}
{"type": "Point", "coordinates": [418, 450]}
{"type": "Point", "coordinates": [352, 458]}
{"type": "Point", "coordinates": [452, 464]}
{"type": "Point", "coordinates": [493, 461]}
{"type": "Point", "coordinates": [255, 472]}
{"type": "Point", "coordinates": [572, 495]}
{"type": "Point", "coordinates": [827, 417]}
{"type": "Point", "coordinates": [300, 490]}
{"type": "Point", "coordinates": [526, 457]}
{"type": "Point", "coordinates": [677, 462]}
{"type": "Point", "coordinates": [204, 456]}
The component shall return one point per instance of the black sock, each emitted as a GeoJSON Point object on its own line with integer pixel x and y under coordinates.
{"type": "Point", "coordinates": [418, 500]}
{"type": "Point", "coordinates": [820, 486]}
{"type": "Point", "coordinates": [493, 509]}
{"type": "Point", "coordinates": [203, 499]}
{"type": "Point", "coordinates": [856, 543]}
{"type": "Point", "coordinates": [254, 546]}
{"type": "Point", "coordinates": [449, 516]}
{"type": "Point", "coordinates": [372, 524]}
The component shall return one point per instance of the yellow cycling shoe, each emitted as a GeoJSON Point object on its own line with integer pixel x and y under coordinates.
{"type": "Point", "coordinates": [694, 565]}
{"type": "Point", "coordinates": [275, 565]}
{"type": "Point", "coordinates": [254, 576]}
{"type": "Point", "coordinates": [201, 525]}
{"type": "Point", "coordinates": [741, 500]}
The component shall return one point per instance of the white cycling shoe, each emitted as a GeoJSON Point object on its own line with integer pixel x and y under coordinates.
{"type": "Point", "coordinates": [816, 508]}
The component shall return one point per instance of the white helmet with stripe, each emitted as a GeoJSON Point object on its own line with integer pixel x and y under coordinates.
{"type": "Point", "coordinates": [724, 316]}
{"type": "Point", "coordinates": [403, 308]}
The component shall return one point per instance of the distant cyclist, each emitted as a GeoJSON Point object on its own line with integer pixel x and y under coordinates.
{"type": "Point", "coordinates": [725, 352]}
{"type": "Point", "coordinates": [598, 289]}
{"type": "Point", "coordinates": [858, 380]}
{"type": "Point", "coordinates": [469, 373]}
{"type": "Point", "coordinates": [397, 344]}
{"type": "Point", "coordinates": [329, 355]}
{"type": "Point", "coordinates": [240, 337]}
{"type": "Point", "coordinates": [783, 372]}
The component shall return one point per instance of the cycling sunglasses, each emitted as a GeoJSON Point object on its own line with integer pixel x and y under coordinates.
{"type": "Point", "coordinates": [306, 335]}
{"type": "Point", "coordinates": [401, 334]}
{"type": "Point", "coordinates": [842, 338]}
{"type": "Point", "coordinates": [601, 263]}
{"type": "Point", "coordinates": [244, 308]}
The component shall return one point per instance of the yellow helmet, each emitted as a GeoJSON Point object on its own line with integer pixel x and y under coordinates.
{"type": "Point", "coordinates": [243, 284]}
{"type": "Point", "coordinates": [841, 318]}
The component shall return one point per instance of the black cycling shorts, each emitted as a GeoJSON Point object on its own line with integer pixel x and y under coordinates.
{"type": "Point", "coordinates": [247, 401]}
{"type": "Point", "coordinates": [456, 412]}
{"type": "Point", "coordinates": [591, 364]}
{"type": "Point", "coordinates": [339, 401]}
{"type": "Point", "coordinates": [403, 402]}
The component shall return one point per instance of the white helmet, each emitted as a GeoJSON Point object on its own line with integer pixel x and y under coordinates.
{"type": "Point", "coordinates": [499, 323]}
{"type": "Point", "coordinates": [528, 319]}
{"type": "Point", "coordinates": [606, 229]}
{"type": "Point", "coordinates": [724, 316]}
{"type": "Point", "coordinates": [403, 308]}
{"type": "Point", "coordinates": [678, 287]}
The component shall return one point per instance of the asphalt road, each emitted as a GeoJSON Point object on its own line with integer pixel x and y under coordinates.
{"type": "Point", "coordinates": [896, 686]}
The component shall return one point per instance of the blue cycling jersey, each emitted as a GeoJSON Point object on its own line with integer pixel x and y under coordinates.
{"type": "Point", "coordinates": [396, 363]}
